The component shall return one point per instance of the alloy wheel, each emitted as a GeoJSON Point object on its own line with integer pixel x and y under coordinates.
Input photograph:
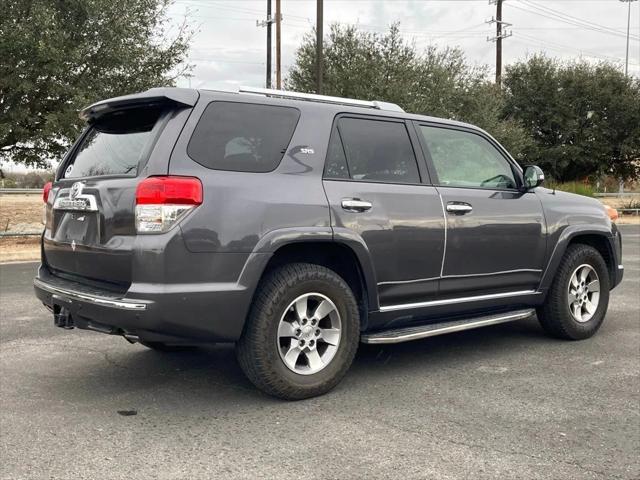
{"type": "Point", "coordinates": [583, 293]}
{"type": "Point", "coordinates": [309, 333]}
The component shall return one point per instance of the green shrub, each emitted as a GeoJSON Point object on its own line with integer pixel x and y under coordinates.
{"type": "Point", "coordinates": [573, 187]}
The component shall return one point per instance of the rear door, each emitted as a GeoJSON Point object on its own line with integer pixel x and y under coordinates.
{"type": "Point", "coordinates": [377, 191]}
{"type": "Point", "coordinates": [495, 232]}
{"type": "Point", "coordinates": [90, 222]}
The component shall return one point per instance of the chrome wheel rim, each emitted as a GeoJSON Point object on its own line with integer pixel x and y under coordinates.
{"type": "Point", "coordinates": [583, 293]}
{"type": "Point", "coordinates": [309, 333]}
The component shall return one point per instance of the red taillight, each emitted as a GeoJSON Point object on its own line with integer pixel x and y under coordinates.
{"type": "Point", "coordinates": [169, 190]}
{"type": "Point", "coordinates": [161, 202]}
{"type": "Point", "coordinates": [45, 191]}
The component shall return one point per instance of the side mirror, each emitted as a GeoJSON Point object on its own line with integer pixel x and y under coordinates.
{"type": "Point", "coordinates": [533, 177]}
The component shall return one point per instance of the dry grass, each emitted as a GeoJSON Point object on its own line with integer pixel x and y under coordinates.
{"type": "Point", "coordinates": [20, 213]}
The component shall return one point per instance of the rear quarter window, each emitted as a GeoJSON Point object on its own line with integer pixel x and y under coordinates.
{"type": "Point", "coordinates": [242, 137]}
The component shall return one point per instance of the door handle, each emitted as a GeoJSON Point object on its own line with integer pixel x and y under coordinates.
{"type": "Point", "coordinates": [355, 205]}
{"type": "Point", "coordinates": [459, 208]}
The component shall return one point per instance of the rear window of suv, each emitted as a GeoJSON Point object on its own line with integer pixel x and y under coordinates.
{"type": "Point", "coordinates": [116, 144]}
{"type": "Point", "coordinates": [242, 137]}
{"type": "Point", "coordinates": [371, 151]}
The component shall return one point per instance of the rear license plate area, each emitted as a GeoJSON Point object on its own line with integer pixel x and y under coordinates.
{"type": "Point", "coordinates": [80, 228]}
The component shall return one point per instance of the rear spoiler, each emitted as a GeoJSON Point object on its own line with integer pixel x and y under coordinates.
{"type": "Point", "coordinates": [155, 96]}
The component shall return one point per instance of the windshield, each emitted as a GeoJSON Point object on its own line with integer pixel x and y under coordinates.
{"type": "Point", "coordinates": [115, 145]}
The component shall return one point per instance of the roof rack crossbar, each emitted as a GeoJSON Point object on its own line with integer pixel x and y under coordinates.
{"type": "Point", "coordinates": [321, 98]}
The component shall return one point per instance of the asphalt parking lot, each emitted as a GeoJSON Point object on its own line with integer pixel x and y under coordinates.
{"type": "Point", "coordinates": [500, 402]}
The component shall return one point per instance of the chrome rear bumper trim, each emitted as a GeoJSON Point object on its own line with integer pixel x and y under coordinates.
{"type": "Point", "coordinates": [84, 297]}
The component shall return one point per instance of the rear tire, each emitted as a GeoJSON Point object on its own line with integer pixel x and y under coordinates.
{"type": "Point", "coordinates": [302, 332]}
{"type": "Point", "coordinates": [578, 299]}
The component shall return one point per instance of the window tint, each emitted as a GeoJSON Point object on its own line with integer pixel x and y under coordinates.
{"type": "Point", "coordinates": [115, 144]}
{"type": "Point", "coordinates": [377, 150]}
{"type": "Point", "coordinates": [336, 161]}
{"type": "Point", "coordinates": [464, 159]}
{"type": "Point", "coordinates": [243, 137]}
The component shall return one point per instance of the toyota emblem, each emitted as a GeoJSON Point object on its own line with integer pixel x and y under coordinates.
{"type": "Point", "coordinates": [76, 190]}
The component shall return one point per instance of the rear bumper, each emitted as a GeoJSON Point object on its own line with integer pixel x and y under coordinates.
{"type": "Point", "coordinates": [155, 313]}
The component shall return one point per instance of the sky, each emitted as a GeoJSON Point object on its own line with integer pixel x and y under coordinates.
{"type": "Point", "coordinates": [229, 50]}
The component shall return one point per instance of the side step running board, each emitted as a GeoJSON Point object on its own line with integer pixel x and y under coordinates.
{"type": "Point", "coordinates": [399, 335]}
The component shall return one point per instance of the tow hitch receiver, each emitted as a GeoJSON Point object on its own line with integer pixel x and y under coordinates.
{"type": "Point", "coordinates": [62, 318]}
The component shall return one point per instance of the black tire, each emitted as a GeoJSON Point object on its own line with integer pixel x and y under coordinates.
{"type": "Point", "coordinates": [164, 347]}
{"type": "Point", "coordinates": [555, 315]}
{"type": "Point", "coordinates": [257, 349]}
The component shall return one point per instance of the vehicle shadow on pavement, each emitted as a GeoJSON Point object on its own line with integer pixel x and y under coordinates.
{"type": "Point", "coordinates": [211, 375]}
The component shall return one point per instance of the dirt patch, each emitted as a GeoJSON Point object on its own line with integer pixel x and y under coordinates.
{"type": "Point", "coordinates": [19, 249]}
{"type": "Point", "coordinates": [20, 213]}
{"type": "Point", "coordinates": [620, 202]}
{"type": "Point", "coordinates": [624, 202]}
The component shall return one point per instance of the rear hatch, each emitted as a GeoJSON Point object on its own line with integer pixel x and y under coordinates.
{"type": "Point", "coordinates": [90, 211]}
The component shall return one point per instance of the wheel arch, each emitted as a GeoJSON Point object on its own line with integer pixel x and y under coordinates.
{"type": "Point", "coordinates": [344, 252]}
{"type": "Point", "coordinates": [599, 238]}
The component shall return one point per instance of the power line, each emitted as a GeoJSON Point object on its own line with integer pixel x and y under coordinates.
{"type": "Point", "coordinates": [563, 48]}
{"type": "Point", "coordinates": [572, 18]}
{"type": "Point", "coordinates": [566, 20]}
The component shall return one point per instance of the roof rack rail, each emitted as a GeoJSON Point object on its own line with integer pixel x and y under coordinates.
{"type": "Point", "coordinates": [322, 98]}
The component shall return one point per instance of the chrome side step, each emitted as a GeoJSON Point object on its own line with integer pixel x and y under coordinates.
{"type": "Point", "coordinates": [399, 335]}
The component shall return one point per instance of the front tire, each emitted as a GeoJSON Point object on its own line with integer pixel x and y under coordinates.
{"type": "Point", "coordinates": [578, 299]}
{"type": "Point", "coordinates": [302, 332]}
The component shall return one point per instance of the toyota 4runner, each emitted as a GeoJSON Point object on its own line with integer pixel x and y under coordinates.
{"type": "Point", "coordinates": [298, 226]}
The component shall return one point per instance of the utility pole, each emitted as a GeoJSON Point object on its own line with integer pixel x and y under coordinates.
{"type": "Point", "coordinates": [626, 58]}
{"type": "Point", "coordinates": [278, 44]}
{"type": "Point", "coordinates": [267, 23]}
{"type": "Point", "coordinates": [319, 62]}
{"type": "Point", "coordinates": [500, 34]}
{"type": "Point", "coordinates": [498, 42]}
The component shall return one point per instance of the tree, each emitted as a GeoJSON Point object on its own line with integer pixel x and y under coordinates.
{"type": "Point", "coordinates": [437, 82]}
{"type": "Point", "coordinates": [584, 119]}
{"type": "Point", "coordinates": [59, 56]}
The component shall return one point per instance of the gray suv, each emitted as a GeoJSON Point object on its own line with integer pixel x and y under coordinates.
{"type": "Point", "coordinates": [298, 226]}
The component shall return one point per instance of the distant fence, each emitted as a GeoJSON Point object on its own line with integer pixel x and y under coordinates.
{"type": "Point", "coordinates": [630, 211]}
{"type": "Point", "coordinates": [615, 194]}
{"type": "Point", "coordinates": [20, 234]}
{"type": "Point", "coordinates": [22, 191]}
{"type": "Point", "coordinates": [39, 191]}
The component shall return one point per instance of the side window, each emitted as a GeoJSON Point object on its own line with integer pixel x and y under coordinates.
{"type": "Point", "coordinates": [378, 150]}
{"type": "Point", "coordinates": [336, 164]}
{"type": "Point", "coordinates": [464, 159]}
{"type": "Point", "coordinates": [243, 137]}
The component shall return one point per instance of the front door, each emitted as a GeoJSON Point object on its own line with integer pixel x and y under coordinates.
{"type": "Point", "coordinates": [495, 232]}
{"type": "Point", "coordinates": [375, 191]}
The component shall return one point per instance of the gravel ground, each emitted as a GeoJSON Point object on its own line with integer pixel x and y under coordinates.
{"type": "Point", "coordinates": [499, 402]}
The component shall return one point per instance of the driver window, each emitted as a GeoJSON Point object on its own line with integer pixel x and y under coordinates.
{"type": "Point", "coordinates": [464, 159]}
